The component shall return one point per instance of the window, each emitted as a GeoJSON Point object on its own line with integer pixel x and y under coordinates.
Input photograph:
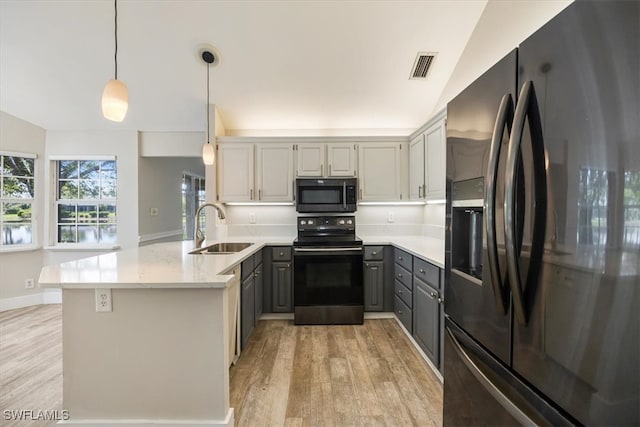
{"type": "Point", "coordinates": [17, 191]}
{"type": "Point", "coordinates": [86, 201]}
{"type": "Point", "coordinates": [193, 196]}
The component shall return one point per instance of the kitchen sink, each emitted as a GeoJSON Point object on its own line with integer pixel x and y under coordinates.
{"type": "Point", "coordinates": [221, 248]}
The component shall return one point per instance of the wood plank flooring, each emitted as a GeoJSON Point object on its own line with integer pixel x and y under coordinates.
{"type": "Point", "coordinates": [287, 376]}
{"type": "Point", "coordinates": [31, 361]}
{"type": "Point", "coordinates": [333, 376]}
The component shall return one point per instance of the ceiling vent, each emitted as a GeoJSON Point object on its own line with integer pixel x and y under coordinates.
{"type": "Point", "coordinates": [422, 65]}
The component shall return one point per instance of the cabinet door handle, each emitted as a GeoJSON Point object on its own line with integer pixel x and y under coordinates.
{"type": "Point", "coordinates": [432, 295]}
{"type": "Point", "coordinates": [329, 169]}
{"type": "Point", "coordinates": [361, 194]}
{"type": "Point", "coordinates": [251, 194]}
{"type": "Point", "coordinates": [256, 274]}
{"type": "Point", "coordinates": [441, 300]}
{"type": "Point", "coordinates": [260, 194]}
{"type": "Point", "coordinates": [321, 169]}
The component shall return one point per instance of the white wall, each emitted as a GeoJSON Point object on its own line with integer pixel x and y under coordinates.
{"type": "Point", "coordinates": [503, 25]}
{"type": "Point", "coordinates": [121, 144]}
{"type": "Point", "coordinates": [159, 186]}
{"type": "Point", "coordinates": [20, 136]}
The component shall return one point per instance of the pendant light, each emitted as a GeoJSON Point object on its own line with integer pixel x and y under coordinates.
{"type": "Point", "coordinates": [115, 98]}
{"type": "Point", "coordinates": [208, 153]}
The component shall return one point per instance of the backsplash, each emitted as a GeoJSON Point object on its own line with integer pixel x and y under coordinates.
{"type": "Point", "coordinates": [279, 221]}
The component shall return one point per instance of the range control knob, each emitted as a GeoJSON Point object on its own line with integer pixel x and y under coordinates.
{"type": "Point", "coordinates": [341, 221]}
{"type": "Point", "coordinates": [310, 222]}
{"type": "Point", "coordinates": [303, 222]}
{"type": "Point", "coordinates": [349, 222]}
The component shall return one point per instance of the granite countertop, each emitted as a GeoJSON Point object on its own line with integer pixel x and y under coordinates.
{"type": "Point", "coordinates": [161, 265]}
{"type": "Point", "coordinates": [427, 248]}
{"type": "Point", "coordinates": [169, 265]}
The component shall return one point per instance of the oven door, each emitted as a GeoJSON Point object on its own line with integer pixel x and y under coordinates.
{"type": "Point", "coordinates": [328, 276]}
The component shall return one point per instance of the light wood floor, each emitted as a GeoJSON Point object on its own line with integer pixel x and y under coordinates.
{"type": "Point", "coordinates": [333, 375]}
{"type": "Point", "coordinates": [288, 375]}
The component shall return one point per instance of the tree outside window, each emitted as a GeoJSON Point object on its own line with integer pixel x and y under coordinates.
{"type": "Point", "coordinates": [86, 201]}
{"type": "Point", "coordinates": [17, 198]}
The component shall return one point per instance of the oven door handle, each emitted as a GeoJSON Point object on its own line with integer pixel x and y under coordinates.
{"type": "Point", "coordinates": [324, 250]}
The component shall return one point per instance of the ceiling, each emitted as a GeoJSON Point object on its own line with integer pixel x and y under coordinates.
{"type": "Point", "coordinates": [320, 66]}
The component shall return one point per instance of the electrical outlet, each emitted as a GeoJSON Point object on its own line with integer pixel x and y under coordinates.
{"type": "Point", "coordinates": [252, 217]}
{"type": "Point", "coordinates": [103, 300]}
{"type": "Point", "coordinates": [153, 211]}
{"type": "Point", "coordinates": [390, 217]}
{"type": "Point", "coordinates": [29, 283]}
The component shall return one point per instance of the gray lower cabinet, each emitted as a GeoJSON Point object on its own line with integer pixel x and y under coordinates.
{"type": "Point", "coordinates": [426, 319]}
{"type": "Point", "coordinates": [250, 296]}
{"type": "Point", "coordinates": [374, 278]}
{"type": "Point", "coordinates": [247, 309]}
{"type": "Point", "coordinates": [281, 282]}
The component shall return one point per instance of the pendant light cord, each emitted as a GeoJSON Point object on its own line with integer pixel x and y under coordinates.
{"type": "Point", "coordinates": [208, 141]}
{"type": "Point", "coordinates": [115, 5]}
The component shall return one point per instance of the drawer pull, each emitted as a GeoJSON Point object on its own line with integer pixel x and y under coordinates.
{"type": "Point", "coordinates": [399, 311]}
{"type": "Point", "coordinates": [399, 258]}
{"type": "Point", "coordinates": [374, 253]}
{"type": "Point", "coordinates": [281, 253]}
{"type": "Point", "coordinates": [256, 274]}
{"type": "Point", "coordinates": [400, 275]}
{"type": "Point", "coordinates": [400, 291]}
{"type": "Point", "coordinates": [441, 300]}
{"type": "Point", "coordinates": [433, 295]}
{"type": "Point", "coordinates": [422, 271]}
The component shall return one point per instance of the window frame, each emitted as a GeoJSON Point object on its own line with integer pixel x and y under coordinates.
{"type": "Point", "coordinates": [34, 244]}
{"type": "Point", "coordinates": [55, 202]}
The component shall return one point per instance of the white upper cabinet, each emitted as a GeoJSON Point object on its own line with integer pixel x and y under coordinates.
{"type": "Point", "coordinates": [328, 160]}
{"type": "Point", "coordinates": [416, 168]}
{"type": "Point", "coordinates": [273, 167]}
{"type": "Point", "coordinates": [274, 172]}
{"type": "Point", "coordinates": [235, 172]}
{"type": "Point", "coordinates": [341, 158]}
{"type": "Point", "coordinates": [380, 172]}
{"type": "Point", "coordinates": [435, 160]}
{"type": "Point", "coordinates": [310, 160]}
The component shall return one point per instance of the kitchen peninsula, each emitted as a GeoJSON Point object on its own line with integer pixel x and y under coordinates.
{"type": "Point", "coordinates": [161, 355]}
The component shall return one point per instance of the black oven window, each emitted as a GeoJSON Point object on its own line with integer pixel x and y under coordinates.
{"type": "Point", "coordinates": [328, 275]}
{"type": "Point", "coordinates": [321, 196]}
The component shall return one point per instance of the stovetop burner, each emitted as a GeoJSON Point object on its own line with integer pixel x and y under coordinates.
{"type": "Point", "coordinates": [327, 231]}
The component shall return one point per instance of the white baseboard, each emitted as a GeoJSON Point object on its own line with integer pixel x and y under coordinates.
{"type": "Point", "coordinates": [48, 296]}
{"type": "Point", "coordinates": [228, 421]}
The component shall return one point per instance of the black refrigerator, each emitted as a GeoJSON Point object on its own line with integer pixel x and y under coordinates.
{"type": "Point", "coordinates": [542, 265]}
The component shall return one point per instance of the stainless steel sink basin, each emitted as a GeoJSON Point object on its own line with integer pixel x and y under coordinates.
{"type": "Point", "coordinates": [221, 248]}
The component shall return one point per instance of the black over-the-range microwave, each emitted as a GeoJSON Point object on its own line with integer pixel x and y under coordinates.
{"type": "Point", "coordinates": [326, 195]}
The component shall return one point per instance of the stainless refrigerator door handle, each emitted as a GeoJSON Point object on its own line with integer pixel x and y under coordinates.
{"type": "Point", "coordinates": [503, 400]}
{"type": "Point", "coordinates": [504, 118]}
{"type": "Point", "coordinates": [527, 107]}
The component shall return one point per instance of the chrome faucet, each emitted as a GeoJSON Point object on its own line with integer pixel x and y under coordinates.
{"type": "Point", "coordinates": [198, 235]}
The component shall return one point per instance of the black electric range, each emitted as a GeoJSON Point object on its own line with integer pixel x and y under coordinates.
{"type": "Point", "coordinates": [328, 271]}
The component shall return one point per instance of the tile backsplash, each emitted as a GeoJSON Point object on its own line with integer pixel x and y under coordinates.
{"type": "Point", "coordinates": [279, 221]}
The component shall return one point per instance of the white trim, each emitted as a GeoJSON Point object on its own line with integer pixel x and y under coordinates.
{"type": "Point", "coordinates": [161, 235]}
{"type": "Point", "coordinates": [17, 154]}
{"type": "Point", "coordinates": [21, 301]}
{"type": "Point", "coordinates": [48, 296]}
{"type": "Point", "coordinates": [437, 201]}
{"type": "Point", "coordinates": [52, 296]}
{"type": "Point", "coordinates": [371, 315]}
{"type": "Point", "coordinates": [424, 356]}
{"type": "Point", "coordinates": [310, 139]}
{"type": "Point", "coordinates": [19, 248]}
{"type": "Point", "coordinates": [76, 157]}
{"type": "Point", "coordinates": [81, 248]}
{"type": "Point", "coordinates": [228, 421]}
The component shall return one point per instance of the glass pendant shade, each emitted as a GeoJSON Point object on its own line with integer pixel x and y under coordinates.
{"type": "Point", "coordinates": [208, 155]}
{"type": "Point", "coordinates": [115, 100]}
